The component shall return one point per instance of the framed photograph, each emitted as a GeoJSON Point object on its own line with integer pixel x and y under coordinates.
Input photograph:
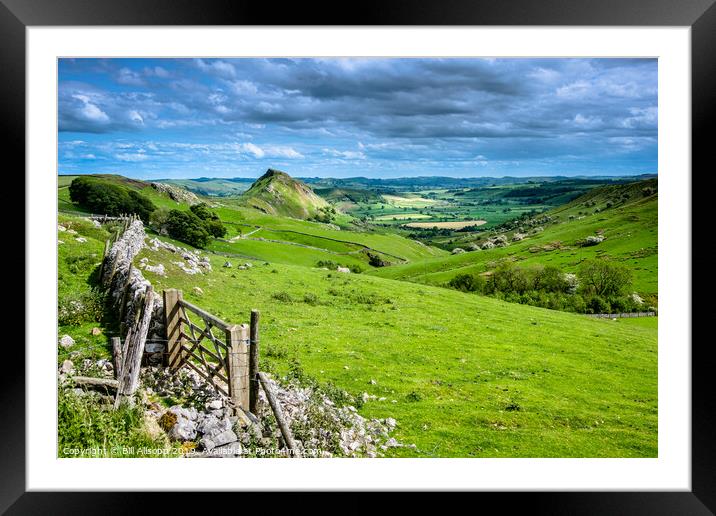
{"type": "Point", "coordinates": [445, 248]}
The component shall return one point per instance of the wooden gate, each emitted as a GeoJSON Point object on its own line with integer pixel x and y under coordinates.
{"type": "Point", "coordinates": [216, 350]}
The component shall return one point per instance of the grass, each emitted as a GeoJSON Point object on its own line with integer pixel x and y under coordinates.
{"type": "Point", "coordinates": [471, 376]}
{"type": "Point", "coordinates": [464, 375]}
{"type": "Point", "coordinates": [87, 426]}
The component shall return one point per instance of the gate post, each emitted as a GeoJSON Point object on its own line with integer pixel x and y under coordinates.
{"type": "Point", "coordinates": [254, 362]}
{"type": "Point", "coordinates": [237, 337]}
{"type": "Point", "coordinates": [172, 323]}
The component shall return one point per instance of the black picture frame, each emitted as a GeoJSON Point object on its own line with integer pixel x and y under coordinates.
{"type": "Point", "coordinates": [699, 15]}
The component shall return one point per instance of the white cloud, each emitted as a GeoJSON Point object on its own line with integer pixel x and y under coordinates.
{"type": "Point", "coordinates": [136, 117]}
{"type": "Point", "coordinates": [132, 157]}
{"type": "Point", "coordinates": [345, 154]}
{"type": "Point", "coordinates": [641, 117]}
{"type": "Point", "coordinates": [129, 77]}
{"type": "Point", "coordinates": [244, 87]}
{"type": "Point", "coordinates": [282, 152]}
{"type": "Point", "coordinates": [220, 68]}
{"type": "Point", "coordinates": [252, 149]}
{"type": "Point", "coordinates": [574, 90]}
{"type": "Point", "coordinates": [586, 121]}
{"type": "Point", "coordinates": [90, 111]}
{"type": "Point", "coordinates": [268, 151]}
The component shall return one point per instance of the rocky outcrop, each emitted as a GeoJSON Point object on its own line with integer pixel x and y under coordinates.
{"type": "Point", "coordinates": [207, 417]}
{"type": "Point", "coordinates": [176, 193]}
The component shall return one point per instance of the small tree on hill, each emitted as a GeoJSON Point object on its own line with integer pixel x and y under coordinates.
{"type": "Point", "coordinates": [603, 278]}
{"type": "Point", "coordinates": [187, 227]}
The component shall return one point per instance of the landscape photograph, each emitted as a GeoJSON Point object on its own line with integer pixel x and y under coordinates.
{"type": "Point", "coordinates": [357, 258]}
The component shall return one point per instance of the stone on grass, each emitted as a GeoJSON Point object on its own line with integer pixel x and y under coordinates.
{"type": "Point", "coordinates": [66, 341]}
{"type": "Point", "coordinates": [220, 439]}
{"type": "Point", "coordinates": [156, 269]}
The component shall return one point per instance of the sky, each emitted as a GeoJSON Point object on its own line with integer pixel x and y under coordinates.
{"type": "Point", "coordinates": [349, 117]}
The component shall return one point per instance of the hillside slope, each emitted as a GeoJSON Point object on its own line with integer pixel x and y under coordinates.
{"type": "Point", "coordinates": [625, 215]}
{"type": "Point", "coordinates": [277, 193]}
{"type": "Point", "coordinates": [488, 379]}
{"type": "Point", "coordinates": [163, 196]}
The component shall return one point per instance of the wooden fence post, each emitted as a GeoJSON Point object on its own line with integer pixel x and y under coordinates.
{"type": "Point", "coordinates": [104, 258]}
{"type": "Point", "coordinates": [117, 358]}
{"type": "Point", "coordinates": [254, 362]}
{"type": "Point", "coordinates": [278, 413]}
{"type": "Point", "coordinates": [129, 381]}
{"type": "Point", "coordinates": [237, 342]}
{"type": "Point", "coordinates": [172, 323]}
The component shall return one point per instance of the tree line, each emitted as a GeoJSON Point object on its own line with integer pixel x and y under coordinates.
{"type": "Point", "coordinates": [196, 226]}
{"type": "Point", "coordinates": [599, 286]}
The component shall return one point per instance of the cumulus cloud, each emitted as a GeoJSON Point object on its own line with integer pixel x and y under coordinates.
{"type": "Point", "coordinates": [373, 111]}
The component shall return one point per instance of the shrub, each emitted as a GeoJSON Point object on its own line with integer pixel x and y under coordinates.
{"type": "Point", "coordinates": [311, 299]}
{"type": "Point", "coordinates": [284, 297]}
{"type": "Point", "coordinates": [467, 283]}
{"type": "Point", "coordinates": [328, 264]}
{"type": "Point", "coordinates": [414, 396]}
{"type": "Point", "coordinates": [597, 305]}
{"type": "Point", "coordinates": [375, 260]}
{"type": "Point", "coordinates": [159, 220]}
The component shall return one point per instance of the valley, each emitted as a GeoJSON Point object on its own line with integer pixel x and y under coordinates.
{"type": "Point", "coordinates": [464, 374]}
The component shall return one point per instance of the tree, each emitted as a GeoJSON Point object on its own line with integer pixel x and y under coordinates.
{"type": "Point", "coordinates": [187, 227]}
{"type": "Point", "coordinates": [211, 220]}
{"type": "Point", "coordinates": [603, 278]}
{"type": "Point", "coordinates": [467, 283]}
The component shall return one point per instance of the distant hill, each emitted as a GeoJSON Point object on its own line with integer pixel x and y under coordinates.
{"type": "Point", "coordinates": [277, 193]}
{"type": "Point", "coordinates": [212, 187]}
{"type": "Point", "coordinates": [352, 195]}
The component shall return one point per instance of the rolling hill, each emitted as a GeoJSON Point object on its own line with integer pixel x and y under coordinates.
{"type": "Point", "coordinates": [625, 215]}
{"type": "Point", "coordinates": [464, 375]}
{"type": "Point", "coordinates": [277, 193]}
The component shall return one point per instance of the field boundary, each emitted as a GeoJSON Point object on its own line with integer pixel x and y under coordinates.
{"type": "Point", "coordinates": [623, 315]}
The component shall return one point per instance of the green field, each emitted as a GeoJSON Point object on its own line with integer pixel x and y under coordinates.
{"type": "Point", "coordinates": [470, 376]}
{"type": "Point", "coordinates": [630, 230]}
{"type": "Point", "coordinates": [464, 375]}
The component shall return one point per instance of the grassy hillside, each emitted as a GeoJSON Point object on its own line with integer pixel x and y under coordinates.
{"type": "Point", "coordinates": [464, 375]}
{"type": "Point", "coordinates": [161, 200]}
{"type": "Point", "coordinates": [277, 193]}
{"type": "Point", "coordinates": [281, 239]}
{"type": "Point", "coordinates": [626, 215]}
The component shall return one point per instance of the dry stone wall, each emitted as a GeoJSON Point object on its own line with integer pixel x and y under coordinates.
{"type": "Point", "coordinates": [127, 286]}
